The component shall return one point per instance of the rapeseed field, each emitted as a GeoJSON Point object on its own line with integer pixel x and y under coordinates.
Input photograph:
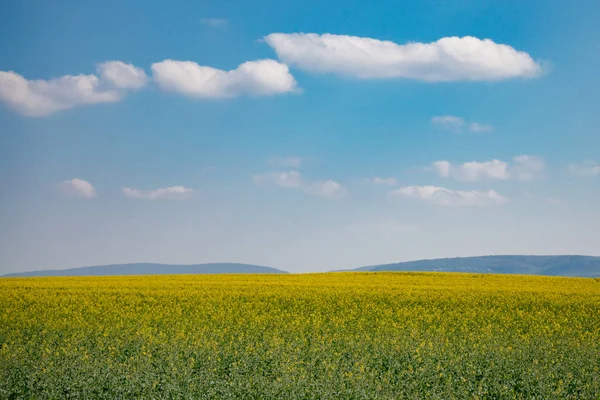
{"type": "Point", "coordinates": [313, 336]}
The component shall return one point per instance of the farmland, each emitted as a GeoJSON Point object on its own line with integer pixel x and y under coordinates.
{"type": "Point", "coordinates": [321, 336]}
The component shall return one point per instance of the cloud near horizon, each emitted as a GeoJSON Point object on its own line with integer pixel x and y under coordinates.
{"type": "Point", "coordinates": [391, 181]}
{"type": "Point", "coordinates": [447, 59]}
{"type": "Point", "coordinates": [523, 168]}
{"type": "Point", "coordinates": [454, 198]}
{"type": "Point", "coordinates": [78, 187]}
{"type": "Point", "coordinates": [38, 98]}
{"type": "Point", "coordinates": [293, 179]}
{"type": "Point", "coordinates": [172, 192]}
{"type": "Point", "coordinates": [586, 168]}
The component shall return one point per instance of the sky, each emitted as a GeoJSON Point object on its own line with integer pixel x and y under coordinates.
{"type": "Point", "coordinates": [302, 135]}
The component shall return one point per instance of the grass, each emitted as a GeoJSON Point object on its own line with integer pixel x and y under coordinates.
{"type": "Point", "coordinates": [316, 336]}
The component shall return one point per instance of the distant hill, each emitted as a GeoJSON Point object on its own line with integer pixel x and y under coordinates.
{"type": "Point", "coordinates": [155, 269]}
{"type": "Point", "coordinates": [584, 266]}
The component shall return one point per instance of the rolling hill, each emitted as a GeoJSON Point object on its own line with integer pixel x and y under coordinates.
{"type": "Point", "coordinates": [155, 269]}
{"type": "Point", "coordinates": [584, 266]}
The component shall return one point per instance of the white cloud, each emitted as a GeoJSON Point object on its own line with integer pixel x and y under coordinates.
{"type": "Point", "coordinates": [458, 124]}
{"type": "Point", "coordinates": [78, 187]}
{"type": "Point", "coordinates": [286, 162]}
{"type": "Point", "coordinates": [252, 78]}
{"type": "Point", "coordinates": [36, 98]}
{"type": "Point", "coordinates": [523, 168]}
{"type": "Point", "coordinates": [442, 168]}
{"type": "Point", "coordinates": [477, 127]}
{"type": "Point", "coordinates": [586, 168]}
{"type": "Point", "coordinates": [293, 179]}
{"type": "Point", "coordinates": [329, 188]}
{"type": "Point", "coordinates": [122, 75]}
{"type": "Point", "coordinates": [391, 181]}
{"type": "Point", "coordinates": [527, 168]}
{"type": "Point", "coordinates": [473, 171]}
{"type": "Point", "coordinates": [448, 197]}
{"type": "Point", "coordinates": [448, 59]}
{"type": "Point", "coordinates": [172, 192]}
{"type": "Point", "coordinates": [214, 22]}
{"type": "Point", "coordinates": [449, 122]}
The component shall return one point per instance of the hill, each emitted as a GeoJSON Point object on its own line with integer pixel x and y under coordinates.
{"type": "Point", "coordinates": [584, 266]}
{"type": "Point", "coordinates": [154, 269]}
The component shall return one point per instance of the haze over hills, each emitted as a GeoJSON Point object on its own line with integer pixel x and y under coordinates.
{"type": "Point", "coordinates": [155, 269]}
{"type": "Point", "coordinates": [568, 265]}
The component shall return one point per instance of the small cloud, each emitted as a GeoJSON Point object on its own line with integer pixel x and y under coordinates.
{"type": "Point", "coordinates": [252, 78]}
{"type": "Point", "coordinates": [286, 162]}
{"type": "Point", "coordinates": [214, 22]}
{"type": "Point", "coordinates": [39, 97]}
{"type": "Point", "coordinates": [523, 168]}
{"type": "Point", "coordinates": [448, 197]}
{"type": "Point", "coordinates": [472, 171]}
{"type": "Point", "coordinates": [458, 124]}
{"type": "Point", "coordinates": [78, 187]}
{"type": "Point", "coordinates": [122, 75]}
{"type": "Point", "coordinates": [477, 127]}
{"type": "Point", "coordinates": [330, 189]}
{"type": "Point", "coordinates": [586, 168]}
{"type": "Point", "coordinates": [293, 180]}
{"type": "Point", "coordinates": [391, 181]}
{"type": "Point", "coordinates": [449, 122]}
{"type": "Point", "coordinates": [527, 168]}
{"type": "Point", "coordinates": [172, 192]}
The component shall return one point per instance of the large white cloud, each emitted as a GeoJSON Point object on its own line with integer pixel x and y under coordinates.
{"type": "Point", "coordinates": [293, 179]}
{"type": "Point", "coordinates": [172, 192]}
{"type": "Point", "coordinates": [252, 78]}
{"type": "Point", "coordinates": [78, 187]}
{"type": "Point", "coordinates": [448, 197]}
{"type": "Point", "coordinates": [448, 59]}
{"type": "Point", "coordinates": [36, 98]}
{"type": "Point", "coordinates": [523, 168]}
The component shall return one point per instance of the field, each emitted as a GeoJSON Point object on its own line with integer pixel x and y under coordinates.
{"type": "Point", "coordinates": [316, 336]}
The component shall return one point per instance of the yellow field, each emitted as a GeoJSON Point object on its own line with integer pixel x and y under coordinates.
{"type": "Point", "coordinates": [317, 336]}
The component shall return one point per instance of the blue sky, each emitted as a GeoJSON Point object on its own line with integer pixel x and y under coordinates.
{"type": "Point", "coordinates": [354, 134]}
